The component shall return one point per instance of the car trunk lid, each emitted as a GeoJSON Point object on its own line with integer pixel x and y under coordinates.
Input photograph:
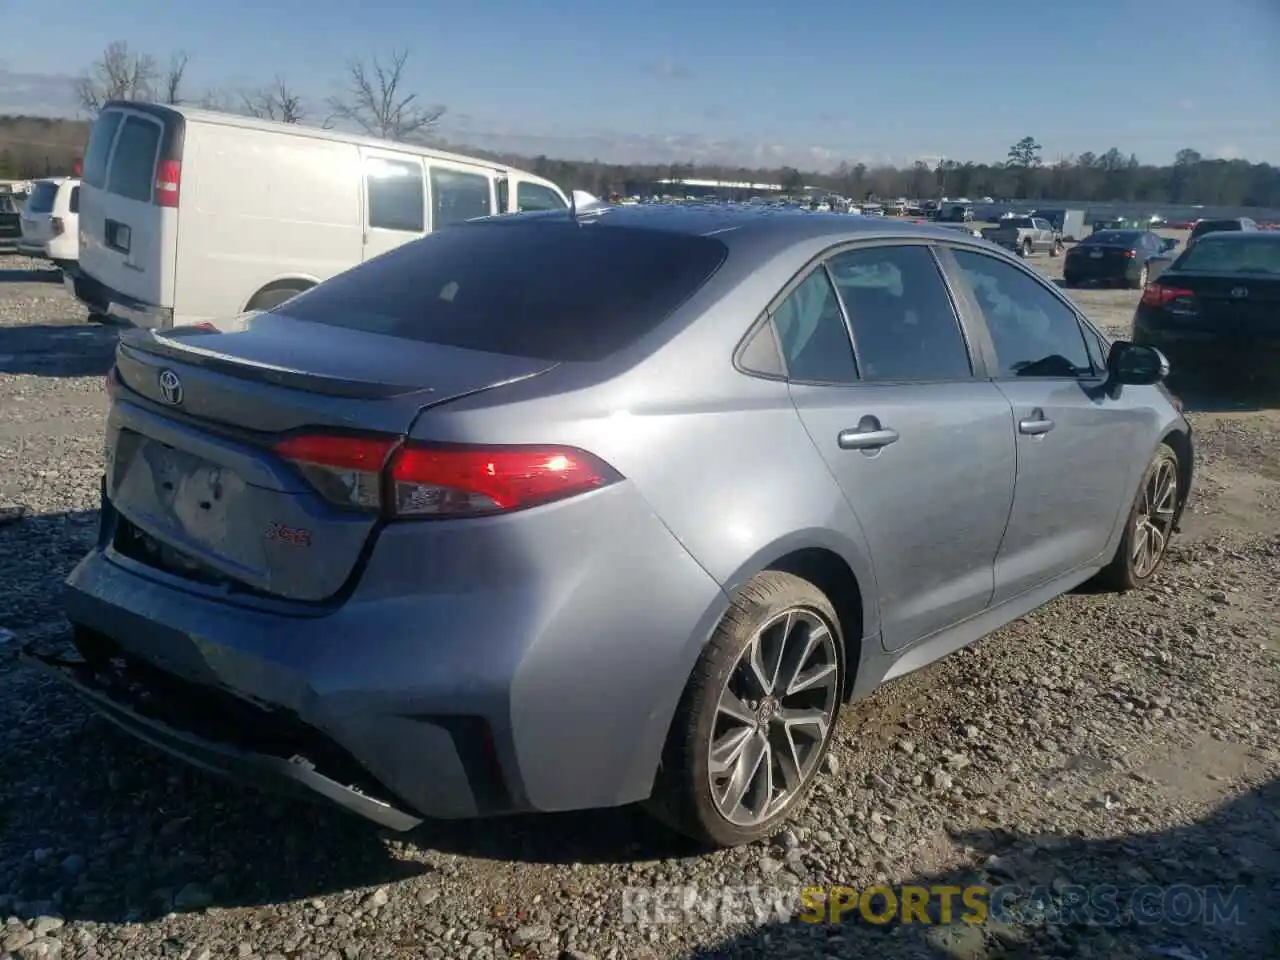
{"type": "Point", "coordinates": [192, 466]}
{"type": "Point", "coordinates": [1240, 304]}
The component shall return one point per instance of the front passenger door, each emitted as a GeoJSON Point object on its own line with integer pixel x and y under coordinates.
{"type": "Point", "coordinates": [921, 446]}
{"type": "Point", "coordinates": [1075, 444]}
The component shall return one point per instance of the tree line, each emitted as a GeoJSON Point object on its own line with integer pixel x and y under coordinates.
{"type": "Point", "coordinates": [374, 98]}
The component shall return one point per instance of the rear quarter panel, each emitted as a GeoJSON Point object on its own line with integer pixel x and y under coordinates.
{"type": "Point", "coordinates": [259, 207]}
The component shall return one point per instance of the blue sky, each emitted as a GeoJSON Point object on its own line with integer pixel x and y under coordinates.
{"type": "Point", "coordinates": [752, 82]}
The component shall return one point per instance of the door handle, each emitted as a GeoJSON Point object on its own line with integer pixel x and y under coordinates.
{"type": "Point", "coordinates": [868, 435]}
{"type": "Point", "coordinates": [1035, 425]}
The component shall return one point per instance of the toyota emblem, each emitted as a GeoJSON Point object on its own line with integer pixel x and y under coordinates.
{"type": "Point", "coordinates": [170, 387]}
{"type": "Point", "coordinates": [1239, 293]}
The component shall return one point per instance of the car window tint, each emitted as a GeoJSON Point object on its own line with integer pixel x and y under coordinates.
{"type": "Point", "coordinates": [94, 169]}
{"type": "Point", "coordinates": [812, 333]}
{"type": "Point", "coordinates": [73, 205]}
{"type": "Point", "coordinates": [133, 164]}
{"type": "Point", "coordinates": [458, 196]}
{"type": "Point", "coordinates": [1035, 334]}
{"type": "Point", "coordinates": [542, 288]}
{"type": "Point", "coordinates": [534, 196]}
{"type": "Point", "coordinates": [904, 327]}
{"type": "Point", "coordinates": [396, 197]}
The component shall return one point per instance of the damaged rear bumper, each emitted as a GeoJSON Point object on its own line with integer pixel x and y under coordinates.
{"type": "Point", "coordinates": [120, 698]}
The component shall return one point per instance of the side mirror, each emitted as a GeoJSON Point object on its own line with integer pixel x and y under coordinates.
{"type": "Point", "coordinates": [1168, 244]}
{"type": "Point", "coordinates": [1135, 364]}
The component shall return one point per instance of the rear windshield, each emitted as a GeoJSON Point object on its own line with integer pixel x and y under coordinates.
{"type": "Point", "coordinates": [42, 197]}
{"type": "Point", "coordinates": [544, 289]}
{"type": "Point", "coordinates": [1215, 226]}
{"type": "Point", "coordinates": [133, 162]}
{"type": "Point", "coordinates": [1112, 237]}
{"type": "Point", "coordinates": [1232, 255]}
{"type": "Point", "coordinates": [94, 171]}
{"type": "Point", "coordinates": [73, 205]}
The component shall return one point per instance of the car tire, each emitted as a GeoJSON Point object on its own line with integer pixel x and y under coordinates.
{"type": "Point", "coordinates": [1057, 249]}
{"type": "Point", "coordinates": [1158, 493]}
{"type": "Point", "coordinates": [1141, 281]}
{"type": "Point", "coordinates": [1069, 281]}
{"type": "Point", "coordinates": [774, 612]}
{"type": "Point", "coordinates": [1026, 248]}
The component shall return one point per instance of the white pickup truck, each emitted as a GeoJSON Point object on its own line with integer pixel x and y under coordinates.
{"type": "Point", "coordinates": [1025, 236]}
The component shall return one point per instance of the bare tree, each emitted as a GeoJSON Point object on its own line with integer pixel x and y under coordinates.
{"type": "Point", "coordinates": [375, 101]}
{"type": "Point", "coordinates": [119, 74]}
{"type": "Point", "coordinates": [173, 78]}
{"type": "Point", "coordinates": [276, 102]}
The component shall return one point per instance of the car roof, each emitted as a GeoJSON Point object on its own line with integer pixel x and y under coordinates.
{"type": "Point", "coordinates": [1245, 236]}
{"type": "Point", "coordinates": [750, 224]}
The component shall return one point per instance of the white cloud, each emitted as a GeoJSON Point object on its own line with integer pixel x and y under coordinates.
{"type": "Point", "coordinates": [37, 94]}
{"type": "Point", "coordinates": [1228, 151]}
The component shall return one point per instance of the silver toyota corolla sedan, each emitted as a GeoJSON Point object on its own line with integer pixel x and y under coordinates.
{"type": "Point", "coordinates": [571, 510]}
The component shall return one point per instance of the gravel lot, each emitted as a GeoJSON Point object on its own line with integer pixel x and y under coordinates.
{"type": "Point", "coordinates": [1103, 740]}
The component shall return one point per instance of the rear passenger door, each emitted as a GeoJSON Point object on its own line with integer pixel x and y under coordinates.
{"type": "Point", "coordinates": [459, 193]}
{"type": "Point", "coordinates": [921, 445]}
{"type": "Point", "coordinates": [1075, 444]}
{"type": "Point", "coordinates": [395, 204]}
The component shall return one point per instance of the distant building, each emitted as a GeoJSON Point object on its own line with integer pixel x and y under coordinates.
{"type": "Point", "coordinates": [719, 189]}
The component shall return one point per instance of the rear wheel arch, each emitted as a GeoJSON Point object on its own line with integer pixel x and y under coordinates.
{"type": "Point", "coordinates": [831, 573]}
{"type": "Point", "coordinates": [1179, 441]}
{"type": "Point", "coordinates": [277, 292]}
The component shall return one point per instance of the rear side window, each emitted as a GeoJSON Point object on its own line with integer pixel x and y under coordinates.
{"type": "Point", "coordinates": [73, 204]}
{"type": "Point", "coordinates": [133, 163]}
{"type": "Point", "coordinates": [457, 196]}
{"type": "Point", "coordinates": [534, 196]}
{"type": "Point", "coordinates": [99, 150]}
{"type": "Point", "coordinates": [812, 333]}
{"type": "Point", "coordinates": [397, 200]}
{"type": "Point", "coordinates": [545, 289]}
{"type": "Point", "coordinates": [904, 327]}
{"type": "Point", "coordinates": [42, 198]}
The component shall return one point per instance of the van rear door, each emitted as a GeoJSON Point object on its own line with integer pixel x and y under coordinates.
{"type": "Point", "coordinates": [129, 209]}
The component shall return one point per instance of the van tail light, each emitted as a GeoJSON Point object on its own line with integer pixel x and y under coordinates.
{"type": "Point", "coordinates": [168, 182]}
{"type": "Point", "coordinates": [1157, 295]}
{"type": "Point", "coordinates": [429, 481]}
{"type": "Point", "coordinates": [58, 225]}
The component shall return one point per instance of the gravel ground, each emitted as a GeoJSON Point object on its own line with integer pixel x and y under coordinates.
{"type": "Point", "coordinates": [1103, 740]}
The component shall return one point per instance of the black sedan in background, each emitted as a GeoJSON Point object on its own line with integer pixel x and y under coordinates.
{"type": "Point", "coordinates": [1216, 308]}
{"type": "Point", "coordinates": [1114, 256]}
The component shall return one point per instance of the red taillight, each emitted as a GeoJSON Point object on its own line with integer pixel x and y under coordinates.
{"type": "Point", "coordinates": [168, 182]}
{"type": "Point", "coordinates": [59, 227]}
{"type": "Point", "coordinates": [426, 481]}
{"type": "Point", "coordinates": [346, 470]}
{"type": "Point", "coordinates": [77, 168]}
{"type": "Point", "coordinates": [1130, 254]}
{"type": "Point", "coordinates": [1156, 295]}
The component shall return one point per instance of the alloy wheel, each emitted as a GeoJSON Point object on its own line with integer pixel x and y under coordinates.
{"type": "Point", "coordinates": [1154, 522]}
{"type": "Point", "coordinates": [773, 717]}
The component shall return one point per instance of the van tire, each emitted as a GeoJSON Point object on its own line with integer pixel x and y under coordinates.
{"type": "Point", "coordinates": [268, 298]}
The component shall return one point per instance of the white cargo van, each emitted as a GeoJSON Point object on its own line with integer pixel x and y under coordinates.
{"type": "Point", "coordinates": [50, 221]}
{"type": "Point", "coordinates": [191, 215]}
